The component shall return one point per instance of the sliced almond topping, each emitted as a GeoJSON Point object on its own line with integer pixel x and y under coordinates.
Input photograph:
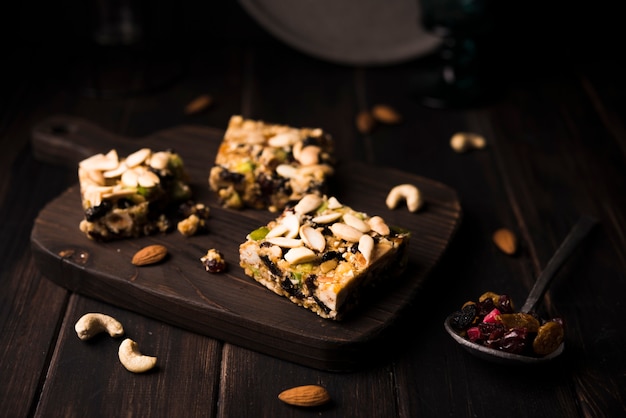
{"type": "Point", "coordinates": [129, 178]}
{"type": "Point", "coordinates": [292, 222]}
{"type": "Point", "coordinates": [137, 157]}
{"type": "Point", "coordinates": [93, 176]}
{"type": "Point", "coordinates": [287, 227]}
{"type": "Point", "coordinates": [100, 162]}
{"type": "Point", "coordinates": [327, 218]}
{"type": "Point", "coordinates": [378, 225]}
{"type": "Point", "coordinates": [366, 247]}
{"type": "Point", "coordinates": [316, 169]}
{"type": "Point", "coordinates": [159, 160]}
{"type": "Point", "coordinates": [346, 232]}
{"type": "Point", "coordinates": [285, 242]}
{"type": "Point", "coordinates": [278, 231]}
{"type": "Point", "coordinates": [287, 171]}
{"type": "Point", "coordinates": [284, 139]}
{"type": "Point", "coordinates": [300, 255]}
{"type": "Point", "coordinates": [295, 150]}
{"type": "Point", "coordinates": [95, 194]}
{"type": "Point", "coordinates": [308, 204]}
{"type": "Point", "coordinates": [112, 155]}
{"type": "Point", "coordinates": [333, 203]}
{"type": "Point", "coordinates": [309, 155]}
{"type": "Point", "coordinates": [356, 222]}
{"type": "Point", "coordinates": [116, 172]}
{"type": "Point", "coordinates": [312, 238]}
{"type": "Point", "coordinates": [148, 179]}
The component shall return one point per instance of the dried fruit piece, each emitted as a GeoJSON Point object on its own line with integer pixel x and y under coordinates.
{"type": "Point", "coordinates": [548, 339]}
{"type": "Point", "coordinates": [520, 320]}
{"type": "Point", "coordinates": [493, 296]}
{"type": "Point", "coordinates": [214, 261]}
{"type": "Point", "coordinates": [492, 317]}
{"type": "Point", "coordinates": [465, 317]}
{"type": "Point", "coordinates": [307, 395]}
{"type": "Point", "coordinates": [505, 240]}
{"type": "Point", "coordinates": [496, 326]}
{"type": "Point", "coordinates": [149, 255]}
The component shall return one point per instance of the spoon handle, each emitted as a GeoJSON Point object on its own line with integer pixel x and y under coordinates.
{"type": "Point", "coordinates": [576, 235]}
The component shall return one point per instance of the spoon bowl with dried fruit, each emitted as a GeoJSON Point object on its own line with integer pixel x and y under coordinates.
{"type": "Point", "coordinates": [490, 330]}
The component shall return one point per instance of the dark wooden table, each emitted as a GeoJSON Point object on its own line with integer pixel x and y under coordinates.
{"type": "Point", "coordinates": [556, 150]}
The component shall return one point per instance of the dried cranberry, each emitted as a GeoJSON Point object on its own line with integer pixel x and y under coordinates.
{"type": "Point", "coordinates": [491, 330]}
{"type": "Point", "coordinates": [485, 306]}
{"type": "Point", "coordinates": [505, 305]}
{"type": "Point", "coordinates": [514, 341]}
{"type": "Point", "coordinates": [493, 316]}
{"type": "Point", "coordinates": [474, 334]}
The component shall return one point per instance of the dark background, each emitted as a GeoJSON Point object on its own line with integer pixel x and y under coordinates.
{"type": "Point", "coordinates": [530, 37]}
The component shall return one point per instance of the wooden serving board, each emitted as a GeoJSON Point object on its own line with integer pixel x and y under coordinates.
{"type": "Point", "coordinates": [229, 306]}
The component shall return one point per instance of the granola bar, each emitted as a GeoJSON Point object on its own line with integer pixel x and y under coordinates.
{"type": "Point", "coordinates": [322, 255]}
{"type": "Point", "coordinates": [265, 166]}
{"type": "Point", "coordinates": [133, 196]}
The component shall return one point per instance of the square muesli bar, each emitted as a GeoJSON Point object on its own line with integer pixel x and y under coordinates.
{"type": "Point", "coordinates": [264, 166]}
{"type": "Point", "coordinates": [323, 255]}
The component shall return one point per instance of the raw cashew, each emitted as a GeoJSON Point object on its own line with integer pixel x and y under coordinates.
{"type": "Point", "coordinates": [406, 192]}
{"type": "Point", "coordinates": [465, 141]}
{"type": "Point", "coordinates": [94, 323]}
{"type": "Point", "coordinates": [132, 359]}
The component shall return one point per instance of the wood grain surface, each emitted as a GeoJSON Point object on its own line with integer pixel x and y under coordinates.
{"type": "Point", "coordinates": [230, 306]}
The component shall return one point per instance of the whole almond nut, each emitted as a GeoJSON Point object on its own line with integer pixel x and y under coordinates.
{"type": "Point", "coordinates": [365, 122]}
{"type": "Point", "coordinates": [149, 255]}
{"type": "Point", "coordinates": [198, 104]}
{"type": "Point", "coordinates": [386, 114]}
{"type": "Point", "coordinates": [307, 395]}
{"type": "Point", "coordinates": [505, 240]}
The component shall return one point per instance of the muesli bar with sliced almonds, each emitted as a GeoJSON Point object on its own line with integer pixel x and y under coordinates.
{"type": "Point", "coordinates": [323, 255]}
{"type": "Point", "coordinates": [134, 196]}
{"type": "Point", "coordinates": [264, 166]}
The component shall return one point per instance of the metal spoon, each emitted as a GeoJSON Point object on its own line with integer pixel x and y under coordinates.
{"type": "Point", "coordinates": [576, 235]}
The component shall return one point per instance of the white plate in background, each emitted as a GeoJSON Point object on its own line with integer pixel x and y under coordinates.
{"type": "Point", "coordinates": [355, 32]}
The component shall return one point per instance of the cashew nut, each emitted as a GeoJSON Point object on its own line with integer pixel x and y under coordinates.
{"type": "Point", "coordinates": [132, 359]}
{"type": "Point", "coordinates": [94, 323]}
{"type": "Point", "coordinates": [408, 193]}
{"type": "Point", "coordinates": [465, 141]}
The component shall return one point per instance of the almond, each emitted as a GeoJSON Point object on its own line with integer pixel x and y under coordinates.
{"type": "Point", "coordinates": [365, 122]}
{"type": "Point", "coordinates": [505, 240]}
{"type": "Point", "coordinates": [149, 255]}
{"type": "Point", "coordinates": [198, 104]}
{"type": "Point", "coordinates": [307, 395]}
{"type": "Point", "coordinates": [386, 114]}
